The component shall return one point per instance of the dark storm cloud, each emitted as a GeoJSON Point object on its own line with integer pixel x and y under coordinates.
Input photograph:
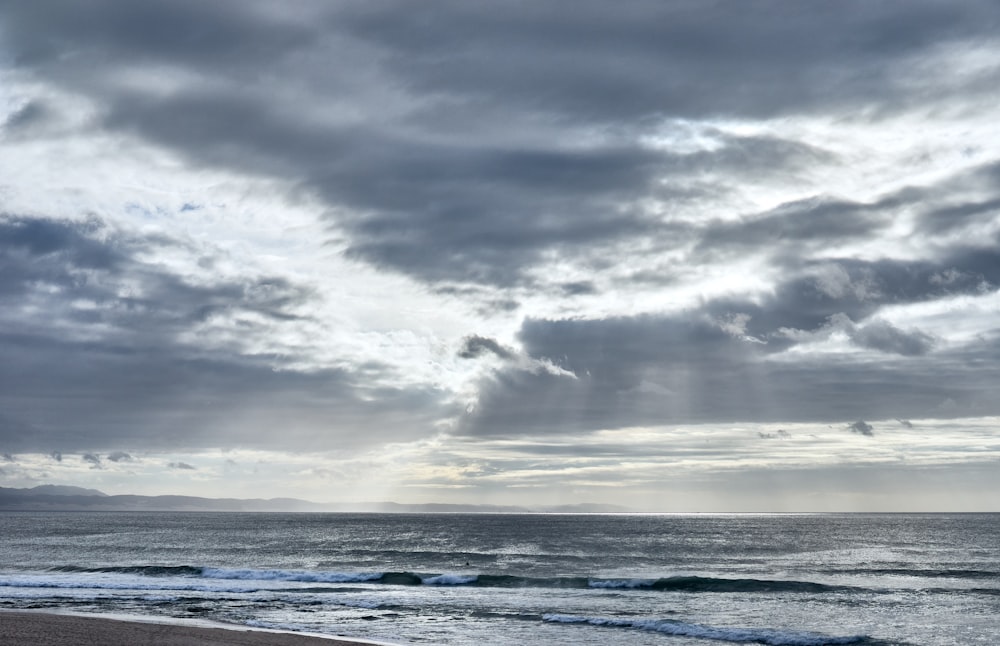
{"type": "Point", "coordinates": [582, 61]}
{"type": "Point", "coordinates": [815, 292]}
{"type": "Point", "coordinates": [983, 182]}
{"type": "Point", "coordinates": [572, 58]}
{"type": "Point", "coordinates": [93, 460]}
{"type": "Point", "coordinates": [40, 250]}
{"type": "Point", "coordinates": [90, 261]}
{"type": "Point", "coordinates": [225, 34]}
{"type": "Point", "coordinates": [475, 346]}
{"type": "Point", "coordinates": [883, 336]}
{"type": "Point", "coordinates": [578, 288]}
{"type": "Point", "coordinates": [490, 216]}
{"type": "Point", "coordinates": [862, 428]}
{"type": "Point", "coordinates": [705, 365]}
{"type": "Point", "coordinates": [442, 211]}
{"type": "Point", "coordinates": [120, 456]}
{"type": "Point", "coordinates": [964, 269]}
{"type": "Point", "coordinates": [85, 395]}
{"type": "Point", "coordinates": [437, 210]}
{"type": "Point", "coordinates": [118, 373]}
{"type": "Point", "coordinates": [628, 371]}
{"type": "Point", "coordinates": [818, 220]}
{"type": "Point", "coordinates": [487, 217]}
{"type": "Point", "coordinates": [181, 465]}
{"type": "Point", "coordinates": [442, 188]}
{"type": "Point", "coordinates": [950, 218]}
{"type": "Point", "coordinates": [32, 114]}
{"type": "Point", "coordinates": [656, 370]}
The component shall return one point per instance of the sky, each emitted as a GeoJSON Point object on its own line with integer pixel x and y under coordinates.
{"type": "Point", "coordinates": [673, 255]}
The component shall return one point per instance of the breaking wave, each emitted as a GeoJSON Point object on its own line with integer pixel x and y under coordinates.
{"type": "Point", "coordinates": [692, 584]}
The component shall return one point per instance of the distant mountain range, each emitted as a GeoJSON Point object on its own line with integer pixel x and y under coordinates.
{"type": "Point", "coordinates": [66, 498]}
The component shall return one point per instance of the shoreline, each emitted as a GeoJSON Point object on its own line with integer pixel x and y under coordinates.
{"type": "Point", "coordinates": [55, 628]}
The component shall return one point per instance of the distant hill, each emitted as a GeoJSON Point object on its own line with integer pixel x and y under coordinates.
{"type": "Point", "coordinates": [66, 498]}
{"type": "Point", "coordinates": [63, 490]}
{"type": "Point", "coordinates": [587, 508]}
{"type": "Point", "coordinates": [60, 498]}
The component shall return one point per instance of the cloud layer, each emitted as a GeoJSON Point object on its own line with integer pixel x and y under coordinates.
{"type": "Point", "coordinates": [345, 226]}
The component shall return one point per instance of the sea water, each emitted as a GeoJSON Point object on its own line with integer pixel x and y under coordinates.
{"type": "Point", "coordinates": [464, 579]}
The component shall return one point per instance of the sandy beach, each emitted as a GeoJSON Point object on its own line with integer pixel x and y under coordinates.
{"type": "Point", "coordinates": [48, 629]}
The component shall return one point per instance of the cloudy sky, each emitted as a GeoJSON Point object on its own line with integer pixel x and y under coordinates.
{"type": "Point", "coordinates": [677, 255]}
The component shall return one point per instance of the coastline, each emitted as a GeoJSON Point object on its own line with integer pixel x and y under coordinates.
{"type": "Point", "coordinates": [46, 628]}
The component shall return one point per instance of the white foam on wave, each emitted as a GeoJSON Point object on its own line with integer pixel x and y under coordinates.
{"type": "Point", "coordinates": [301, 629]}
{"type": "Point", "coordinates": [273, 625]}
{"type": "Point", "coordinates": [770, 636]}
{"type": "Point", "coordinates": [106, 581]}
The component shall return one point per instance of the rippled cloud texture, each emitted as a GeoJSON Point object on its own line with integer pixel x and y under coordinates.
{"type": "Point", "coordinates": [691, 255]}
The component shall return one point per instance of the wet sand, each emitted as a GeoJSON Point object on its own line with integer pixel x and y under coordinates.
{"type": "Point", "coordinates": [49, 629]}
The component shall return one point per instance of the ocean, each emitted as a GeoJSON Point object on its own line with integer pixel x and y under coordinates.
{"type": "Point", "coordinates": [479, 579]}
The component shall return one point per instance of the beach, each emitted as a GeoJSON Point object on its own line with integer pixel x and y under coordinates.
{"type": "Point", "coordinates": [49, 629]}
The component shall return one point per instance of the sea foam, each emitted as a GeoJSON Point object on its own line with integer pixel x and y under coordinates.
{"type": "Point", "coordinates": [772, 637]}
